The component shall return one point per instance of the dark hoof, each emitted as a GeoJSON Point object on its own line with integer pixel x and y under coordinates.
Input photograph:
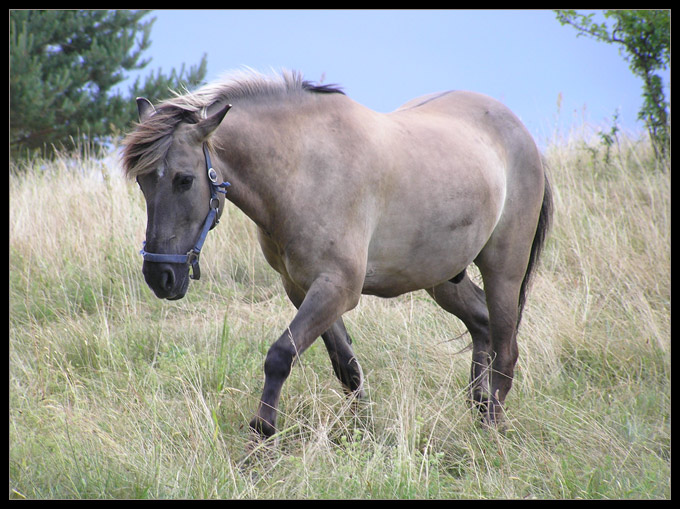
{"type": "Point", "coordinates": [479, 401]}
{"type": "Point", "coordinates": [352, 380]}
{"type": "Point", "coordinates": [493, 416]}
{"type": "Point", "coordinates": [261, 428]}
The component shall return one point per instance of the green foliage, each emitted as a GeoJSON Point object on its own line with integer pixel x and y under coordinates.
{"type": "Point", "coordinates": [646, 38]}
{"type": "Point", "coordinates": [63, 67]}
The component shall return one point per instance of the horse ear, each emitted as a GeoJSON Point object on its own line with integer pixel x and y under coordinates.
{"type": "Point", "coordinates": [144, 108]}
{"type": "Point", "coordinates": [206, 126]}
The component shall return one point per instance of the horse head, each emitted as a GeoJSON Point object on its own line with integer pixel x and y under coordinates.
{"type": "Point", "coordinates": [183, 197]}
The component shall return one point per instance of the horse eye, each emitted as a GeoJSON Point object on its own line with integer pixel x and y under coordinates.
{"type": "Point", "coordinates": [183, 182]}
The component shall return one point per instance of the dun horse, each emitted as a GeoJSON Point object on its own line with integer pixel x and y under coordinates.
{"type": "Point", "coordinates": [347, 202]}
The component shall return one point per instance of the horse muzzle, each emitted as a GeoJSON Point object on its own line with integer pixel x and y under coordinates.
{"type": "Point", "coordinates": [167, 280]}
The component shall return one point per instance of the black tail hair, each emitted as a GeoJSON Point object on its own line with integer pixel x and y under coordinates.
{"type": "Point", "coordinates": [542, 228]}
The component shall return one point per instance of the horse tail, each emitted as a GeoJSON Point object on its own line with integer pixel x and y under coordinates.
{"type": "Point", "coordinates": [542, 228]}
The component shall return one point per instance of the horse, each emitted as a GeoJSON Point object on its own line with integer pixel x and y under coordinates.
{"type": "Point", "coordinates": [350, 202]}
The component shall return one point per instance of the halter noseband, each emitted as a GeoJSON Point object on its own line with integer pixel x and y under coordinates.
{"type": "Point", "coordinates": [192, 256]}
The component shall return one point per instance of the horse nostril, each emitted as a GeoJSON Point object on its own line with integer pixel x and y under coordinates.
{"type": "Point", "coordinates": [167, 280]}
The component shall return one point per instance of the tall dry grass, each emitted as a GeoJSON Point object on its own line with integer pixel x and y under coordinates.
{"type": "Point", "coordinates": [114, 394]}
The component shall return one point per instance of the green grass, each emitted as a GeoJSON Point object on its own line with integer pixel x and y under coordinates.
{"type": "Point", "coordinates": [115, 394]}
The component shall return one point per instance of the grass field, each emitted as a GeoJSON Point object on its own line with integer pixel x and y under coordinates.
{"type": "Point", "coordinates": [115, 394]}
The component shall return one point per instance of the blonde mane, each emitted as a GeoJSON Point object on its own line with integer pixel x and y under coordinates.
{"type": "Point", "coordinates": [146, 147]}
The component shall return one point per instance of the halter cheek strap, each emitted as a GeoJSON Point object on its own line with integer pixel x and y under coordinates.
{"type": "Point", "coordinates": [192, 256]}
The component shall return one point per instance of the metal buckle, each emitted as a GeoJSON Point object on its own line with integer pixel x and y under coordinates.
{"type": "Point", "coordinates": [192, 262]}
{"type": "Point", "coordinates": [212, 175]}
{"type": "Point", "coordinates": [192, 256]}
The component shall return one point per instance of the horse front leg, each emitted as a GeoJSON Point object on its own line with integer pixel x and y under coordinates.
{"type": "Point", "coordinates": [326, 300]}
{"type": "Point", "coordinates": [345, 364]}
{"type": "Point", "coordinates": [338, 344]}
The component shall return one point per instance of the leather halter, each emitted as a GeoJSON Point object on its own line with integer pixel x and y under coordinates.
{"type": "Point", "coordinates": [192, 256]}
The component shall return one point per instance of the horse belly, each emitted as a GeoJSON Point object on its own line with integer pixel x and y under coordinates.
{"type": "Point", "coordinates": [420, 259]}
{"type": "Point", "coordinates": [430, 234]}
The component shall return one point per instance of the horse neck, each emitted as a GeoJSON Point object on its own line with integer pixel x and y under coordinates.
{"type": "Point", "coordinates": [260, 147]}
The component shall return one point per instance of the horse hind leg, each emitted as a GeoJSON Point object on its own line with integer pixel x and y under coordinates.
{"type": "Point", "coordinates": [506, 266]}
{"type": "Point", "coordinates": [507, 263]}
{"type": "Point", "coordinates": [502, 292]}
{"type": "Point", "coordinates": [467, 301]}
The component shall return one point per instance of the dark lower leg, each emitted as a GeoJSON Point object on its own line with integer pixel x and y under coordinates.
{"type": "Point", "coordinates": [323, 303]}
{"type": "Point", "coordinates": [502, 297]}
{"type": "Point", "coordinates": [467, 301]}
{"type": "Point", "coordinates": [479, 379]}
{"type": "Point", "coordinates": [345, 364]}
{"type": "Point", "coordinates": [501, 376]}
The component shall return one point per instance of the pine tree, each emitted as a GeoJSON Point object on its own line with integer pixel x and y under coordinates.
{"type": "Point", "coordinates": [63, 67]}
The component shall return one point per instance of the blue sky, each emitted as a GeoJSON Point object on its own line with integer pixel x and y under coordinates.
{"type": "Point", "coordinates": [382, 58]}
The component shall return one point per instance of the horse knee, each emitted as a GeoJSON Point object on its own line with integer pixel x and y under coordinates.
{"type": "Point", "coordinates": [278, 362]}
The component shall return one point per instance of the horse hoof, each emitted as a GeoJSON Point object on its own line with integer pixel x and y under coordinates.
{"type": "Point", "coordinates": [479, 400]}
{"type": "Point", "coordinates": [355, 391]}
{"type": "Point", "coordinates": [261, 428]}
{"type": "Point", "coordinates": [494, 417]}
